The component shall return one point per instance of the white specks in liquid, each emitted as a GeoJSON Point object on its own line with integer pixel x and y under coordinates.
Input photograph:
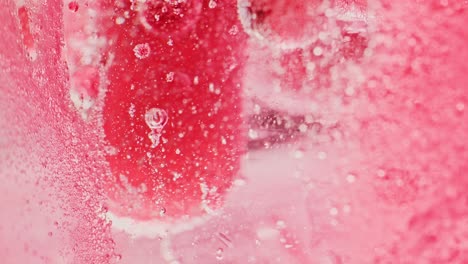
{"type": "Point", "coordinates": [131, 110]}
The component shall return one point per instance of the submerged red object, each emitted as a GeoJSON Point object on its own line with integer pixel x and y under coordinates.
{"type": "Point", "coordinates": [182, 59]}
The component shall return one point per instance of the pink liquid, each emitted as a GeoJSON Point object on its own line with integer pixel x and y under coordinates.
{"type": "Point", "coordinates": [352, 131]}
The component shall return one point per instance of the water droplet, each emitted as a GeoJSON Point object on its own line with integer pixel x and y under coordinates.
{"type": "Point", "coordinates": [142, 51]}
{"type": "Point", "coordinates": [156, 118]}
{"type": "Point", "coordinates": [73, 6]}
{"type": "Point", "coordinates": [219, 254]}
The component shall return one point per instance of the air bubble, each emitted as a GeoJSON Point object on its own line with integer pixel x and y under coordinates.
{"type": "Point", "coordinates": [270, 22]}
{"type": "Point", "coordinates": [333, 211]}
{"type": "Point", "coordinates": [381, 173]}
{"type": "Point", "coordinates": [219, 254]}
{"type": "Point", "coordinates": [170, 77]}
{"type": "Point", "coordinates": [253, 134]}
{"type": "Point", "coordinates": [162, 211]}
{"type": "Point", "coordinates": [212, 4]}
{"type": "Point", "coordinates": [351, 178]}
{"type": "Point", "coordinates": [155, 137]}
{"type": "Point", "coordinates": [119, 20]}
{"type": "Point", "coordinates": [156, 118]}
{"type": "Point", "coordinates": [142, 51]}
{"type": "Point", "coordinates": [318, 51]}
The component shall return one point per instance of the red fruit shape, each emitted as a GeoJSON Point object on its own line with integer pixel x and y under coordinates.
{"type": "Point", "coordinates": [172, 110]}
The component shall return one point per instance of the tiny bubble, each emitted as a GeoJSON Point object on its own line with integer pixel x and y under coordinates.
{"type": "Point", "coordinates": [119, 20]}
{"type": "Point", "coordinates": [170, 76]}
{"type": "Point", "coordinates": [351, 178]}
{"type": "Point", "coordinates": [253, 134]}
{"type": "Point", "coordinates": [212, 4]}
{"type": "Point", "coordinates": [162, 211]}
{"type": "Point", "coordinates": [170, 42]}
{"type": "Point", "coordinates": [381, 173]}
{"type": "Point", "coordinates": [333, 211]}
{"type": "Point", "coordinates": [322, 155]}
{"type": "Point", "coordinates": [303, 128]}
{"type": "Point", "coordinates": [318, 51]}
